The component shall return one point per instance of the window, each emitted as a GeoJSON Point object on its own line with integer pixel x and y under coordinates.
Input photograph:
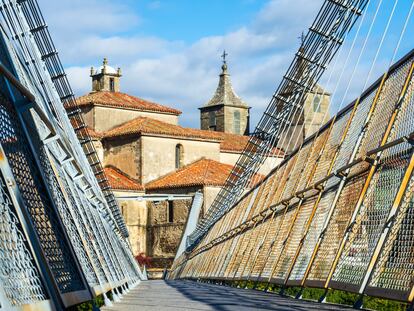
{"type": "Point", "coordinates": [179, 156]}
{"type": "Point", "coordinates": [317, 104]}
{"type": "Point", "coordinates": [212, 121]}
{"type": "Point", "coordinates": [170, 212]}
{"type": "Point", "coordinates": [236, 122]}
{"type": "Point", "coordinates": [112, 84]}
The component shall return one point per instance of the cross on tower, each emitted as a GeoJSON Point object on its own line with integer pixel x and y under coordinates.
{"type": "Point", "coordinates": [223, 56]}
{"type": "Point", "coordinates": [302, 38]}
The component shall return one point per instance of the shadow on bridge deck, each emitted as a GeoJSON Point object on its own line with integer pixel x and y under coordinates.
{"type": "Point", "coordinates": [188, 295]}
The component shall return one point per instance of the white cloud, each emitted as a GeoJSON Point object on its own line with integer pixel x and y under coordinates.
{"type": "Point", "coordinates": [185, 75]}
{"type": "Point", "coordinates": [154, 5]}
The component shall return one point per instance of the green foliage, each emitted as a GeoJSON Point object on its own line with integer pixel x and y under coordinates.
{"type": "Point", "coordinates": [291, 291]}
{"type": "Point", "coordinates": [312, 293]}
{"type": "Point", "coordinates": [384, 304]}
{"type": "Point", "coordinates": [341, 297]}
{"type": "Point", "coordinates": [88, 306]}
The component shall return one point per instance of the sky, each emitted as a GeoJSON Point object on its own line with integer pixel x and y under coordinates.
{"type": "Point", "coordinates": [169, 50]}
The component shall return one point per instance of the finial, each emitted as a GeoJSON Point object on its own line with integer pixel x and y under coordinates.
{"type": "Point", "coordinates": [223, 56]}
{"type": "Point", "coordinates": [302, 39]}
{"type": "Point", "coordinates": [92, 71]}
{"type": "Point", "coordinates": [105, 61]}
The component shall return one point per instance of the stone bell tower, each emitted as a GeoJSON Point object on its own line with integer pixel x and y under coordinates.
{"type": "Point", "coordinates": [105, 78]}
{"type": "Point", "coordinates": [225, 112]}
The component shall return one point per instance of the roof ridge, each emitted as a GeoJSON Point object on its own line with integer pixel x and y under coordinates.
{"type": "Point", "coordinates": [123, 100]}
{"type": "Point", "coordinates": [119, 171]}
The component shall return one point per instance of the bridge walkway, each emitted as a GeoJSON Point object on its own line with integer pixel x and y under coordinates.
{"type": "Point", "coordinates": [188, 295]}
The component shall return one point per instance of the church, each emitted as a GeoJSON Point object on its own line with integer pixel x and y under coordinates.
{"type": "Point", "coordinates": [155, 166]}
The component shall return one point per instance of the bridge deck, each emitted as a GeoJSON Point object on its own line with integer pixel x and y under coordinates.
{"type": "Point", "coordinates": [188, 295]}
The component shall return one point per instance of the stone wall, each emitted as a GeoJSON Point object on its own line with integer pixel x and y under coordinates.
{"type": "Point", "coordinates": [106, 118]}
{"type": "Point", "coordinates": [225, 119]}
{"type": "Point", "coordinates": [314, 118]}
{"type": "Point", "coordinates": [205, 118]}
{"type": "Point", "coordinates": [229, 120]}
{"type": "Point", "coordinates": [232, 157]}
{"type": "Point", "coordinates": [124, 154]}
{"type": "Point", "coordinates": [163, 236]}
{"type": "Point", "coordinates": [99, 149]}
{"type": "Point", "coordinates": [158, 154]}
{"type": "Point", "coordinates": [135, 214]}
{"type": "Point", "coordinates": [88, 116]}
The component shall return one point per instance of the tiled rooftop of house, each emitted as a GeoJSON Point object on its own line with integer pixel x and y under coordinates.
{"type": "Point", "coordinates": [122, 100]}
{"type": "Point", "coordinates": [203, 172]}
{"type": "Point", "coordinates": [94, 134]}
{"type": "Point", "coordinates": [144, 125]}
{"type": "Point", "coordinates": [118, 180]}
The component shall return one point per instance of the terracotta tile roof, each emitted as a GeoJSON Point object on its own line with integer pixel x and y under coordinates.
{"type": "Point", "coordinates": [121, 181]}
{"type": "Point", "coordinates": [203, 172]}
{"type": "Point", "coordinates": [236, 143]}
{"type": "Point", "coordinates": [228, 142]}
{"type": "Point", "coordinates": [122, 100]}
{"type": "Point", "coordinates": [94, 134]}
{"type": "Point", "coordinates": [233, 142]}
{"type": "Point", "coordinates": [142, 125]}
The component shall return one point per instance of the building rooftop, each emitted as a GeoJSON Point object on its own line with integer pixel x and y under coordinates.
{"type": "Point", "coordinates": [94, 134]}
{"type": "Point", "coordinates": [122, 100]}
{"type": "Point", "coordinates": [231, 143]}
{"type": "Point", "coordinates": [225, 94]}
{"type": "Point", "coordinates": [144, 125]}
{"type": "Point", "coordinates": [203, 172]}
{"type": "Point", "coordinates": [118, 180]}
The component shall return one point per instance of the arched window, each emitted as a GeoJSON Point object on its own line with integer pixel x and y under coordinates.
{"type": "Point", "coordinates": [179, 156]}
{"type": "Point", "coordinates": [112, 84]}
{"type": "Point", "coordinates": [212, 122]}
{"type": "Point", "coordinates": [170, 211]}
{"type": "Point", "coordinates": [317, 103]}
{"type": "Point", "coordinates": [236, 122]}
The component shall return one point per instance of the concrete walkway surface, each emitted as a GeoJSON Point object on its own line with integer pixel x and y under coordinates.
{"type": "Point", "coordinates": [188, 295]}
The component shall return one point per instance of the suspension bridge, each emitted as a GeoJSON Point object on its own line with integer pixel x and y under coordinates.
{"type": "Point", "coordinates": [336, 214]}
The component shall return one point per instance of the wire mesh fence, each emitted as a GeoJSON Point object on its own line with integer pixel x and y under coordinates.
{"type": "Point", "coordinates": [340, 212]}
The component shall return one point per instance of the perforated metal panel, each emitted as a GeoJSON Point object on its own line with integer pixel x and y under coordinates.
{"type": "Point", "coordinates": [326, 236]}
{"type": "Point", "coordinates": [265, 249]}
{"type": "Point", "coordinates": [336, 228]}
{"type": "Point", "coordinates": [38, 204]}
{"type": "Point", "coordinates": [286, 220]}
{"type": "Point", "coordinates": [371, 218]}
{"type": "Point", "coordinates": [313, 235]}
{"type": "Point", "coordinates": [19, 276]}
{"type": "Point", "coordinates": [354, 132]}
{"type": "Point", "coordinates": [331, 147]}
{"type": "Point", "coordinates": [293, 239]}
{"type": "Point", "coordinates": [394, 270]}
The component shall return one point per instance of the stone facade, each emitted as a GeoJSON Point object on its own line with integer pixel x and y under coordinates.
{"type": "Point", "coordinates": [225, 112]}
{"type": "Point", "coordinates": [102, 119]}
{"type": "Point", "coordinates": [159, 154]}
{"type": "Point", "coordinates": [105, 78]}
{"type": "Point", "coordinates": [166, 224]}
{"type": "Point", "coordinates": [149, 152]}
{"type": "Point", "coordinates": [136, 217]}
{"type": "Point", "coordinates": [125, 154]}
{"type": "Point", "coordinates": [315, 114]}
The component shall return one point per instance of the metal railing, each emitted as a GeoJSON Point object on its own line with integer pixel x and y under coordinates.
{"type": "Point", "coordinates": [337, 213]}
{"type": "Point", "coordinates": [63, 239]}
{"type": "Point", "coordinates": [324, 38]}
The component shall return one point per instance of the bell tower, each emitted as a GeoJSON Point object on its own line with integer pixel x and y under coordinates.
{"type": "Point", "coordinates": [105, 78]}
{"type": "Point", "coordinates": [225, 112]}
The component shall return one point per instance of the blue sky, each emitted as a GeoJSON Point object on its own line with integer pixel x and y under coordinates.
{"type": "Point", "coordinates": [169, 51]}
